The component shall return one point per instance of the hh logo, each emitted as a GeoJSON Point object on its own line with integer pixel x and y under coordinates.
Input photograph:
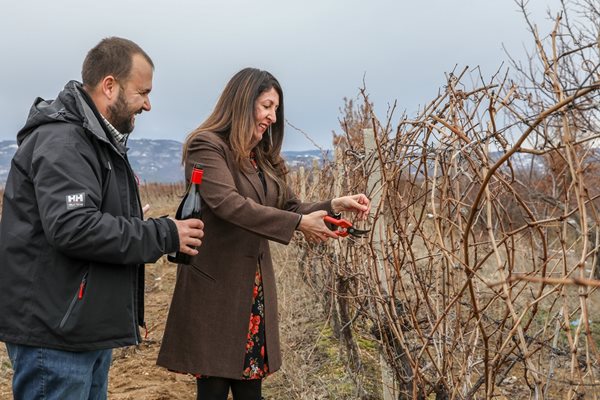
{"type": "Point", "coordinates": [75, 200]}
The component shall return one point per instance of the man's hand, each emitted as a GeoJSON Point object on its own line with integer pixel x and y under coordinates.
{"type": "Point", "coordinates": [190, 232]}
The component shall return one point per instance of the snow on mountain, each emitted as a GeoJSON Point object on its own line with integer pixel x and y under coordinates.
{"type": "Point", "coordinates": [156, 160]}
{"type": "Point", "coordinates": [151, 160]}
{"type": "Point", "coordinates": [159, 161]}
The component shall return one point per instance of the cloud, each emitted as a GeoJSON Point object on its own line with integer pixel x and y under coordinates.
{"type": "Point", "coordinates": [319, 50]}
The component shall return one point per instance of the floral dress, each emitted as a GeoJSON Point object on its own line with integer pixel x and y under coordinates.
{"type": "Point", "coordinates": [255, 361]}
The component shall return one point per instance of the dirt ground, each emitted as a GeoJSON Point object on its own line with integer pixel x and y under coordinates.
{"type": "Point", "coordinates": [312, 368]}
{"type": "Point", "coordinates": [134, 374]}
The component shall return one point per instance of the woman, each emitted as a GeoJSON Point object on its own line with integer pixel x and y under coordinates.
{"type": "Point", "coordinates": [222, 325]}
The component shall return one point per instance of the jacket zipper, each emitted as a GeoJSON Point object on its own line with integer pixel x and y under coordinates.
{"type": "Point", "coordinates": [135, 280]}
{"type": "Point", "coordinates": [107, 183]}
{"type": "Point", "coordinates": [135, 295]}
{"type": "Point", "coordinates": [78, 296]}
{"type": "Point", "coordinates": [136, 332]}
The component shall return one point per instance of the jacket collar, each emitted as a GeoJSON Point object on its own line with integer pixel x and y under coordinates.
{"type": "Point", "coordinates": [92, 117]}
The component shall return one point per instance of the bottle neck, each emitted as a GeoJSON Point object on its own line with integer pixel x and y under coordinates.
{"type": "Point", "coordinates": [197, 175]}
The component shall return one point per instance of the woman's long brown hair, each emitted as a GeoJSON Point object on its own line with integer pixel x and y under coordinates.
{"type": "Point", "coordinates": [234, 118]}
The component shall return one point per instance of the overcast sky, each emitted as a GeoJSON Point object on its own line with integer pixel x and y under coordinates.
{"type": "Point", "coordinates": [320, 50]}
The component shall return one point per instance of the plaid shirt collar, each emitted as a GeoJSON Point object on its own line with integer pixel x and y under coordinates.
{"type": "Point", "coordinates": [121, 138]}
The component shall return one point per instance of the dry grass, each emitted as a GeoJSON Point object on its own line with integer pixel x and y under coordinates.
{"type": "Point", "coordinates": [313, 366]}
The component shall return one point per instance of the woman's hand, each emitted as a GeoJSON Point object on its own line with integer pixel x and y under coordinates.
{"type": "Point", "coordinates": [314, 229]}
{"type": "Point", "coordinates": [357, 203]}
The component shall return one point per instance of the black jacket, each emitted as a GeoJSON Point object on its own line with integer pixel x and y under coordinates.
{"type": "Point", "coordinates": [72, 238]}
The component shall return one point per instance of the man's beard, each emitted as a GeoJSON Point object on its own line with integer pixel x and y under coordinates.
{"type": "Point", "coordinates": [119, 115]}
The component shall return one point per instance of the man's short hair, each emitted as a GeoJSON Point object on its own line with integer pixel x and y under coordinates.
{"type": "Point", "coordinates": [112, 56]}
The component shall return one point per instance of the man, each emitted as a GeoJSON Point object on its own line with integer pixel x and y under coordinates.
{"type": "Point", "coordinates": [72, 236]}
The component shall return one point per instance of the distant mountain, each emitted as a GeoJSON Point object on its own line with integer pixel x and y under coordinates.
{"type": "Point", "coordinates": [304, 158]}
{"type": "Point", "coordinates": [7, 149]}
{"type": "Point", "coordinates": [151, 160]}
{"type": "Point", "coordinates": [156, 160]}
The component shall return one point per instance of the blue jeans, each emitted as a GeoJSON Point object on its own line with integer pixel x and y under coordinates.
{"type": "Point", "coordinates": [47, 374]}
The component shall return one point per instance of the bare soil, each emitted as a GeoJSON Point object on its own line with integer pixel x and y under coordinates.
{"type": "Point", "coordinates": [313, 367]}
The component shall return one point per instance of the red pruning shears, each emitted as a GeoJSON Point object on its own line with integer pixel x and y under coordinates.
{"type": "Point", "coordinates": [345, 227]}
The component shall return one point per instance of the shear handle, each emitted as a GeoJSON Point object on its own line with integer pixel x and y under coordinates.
{"type": "Point", "coordinates": [342, 223]}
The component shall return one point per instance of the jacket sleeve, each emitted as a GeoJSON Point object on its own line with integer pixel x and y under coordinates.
{"type": "Point", "coordinates": [221, 195]}
{"type": "Point", "coordinates": [66, 175]}
{"type": "Point", "coordinates": [294, 204]}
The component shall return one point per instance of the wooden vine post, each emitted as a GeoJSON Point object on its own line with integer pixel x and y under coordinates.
{"type": "Point", "coordinates": [374, 189]}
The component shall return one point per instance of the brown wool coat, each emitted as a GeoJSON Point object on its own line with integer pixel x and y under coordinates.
{"type": "Point", "coordinates": [208, 320]}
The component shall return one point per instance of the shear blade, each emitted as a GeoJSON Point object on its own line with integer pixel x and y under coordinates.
{"type": "Point", "coordinates": [358, 232]}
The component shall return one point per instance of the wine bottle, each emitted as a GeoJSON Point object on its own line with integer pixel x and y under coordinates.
{"type": "Point", "coordinates": [190, 207]}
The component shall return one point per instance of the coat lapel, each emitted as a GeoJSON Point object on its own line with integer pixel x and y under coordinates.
{"type": "Point", "coordinates": [252, 176]}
